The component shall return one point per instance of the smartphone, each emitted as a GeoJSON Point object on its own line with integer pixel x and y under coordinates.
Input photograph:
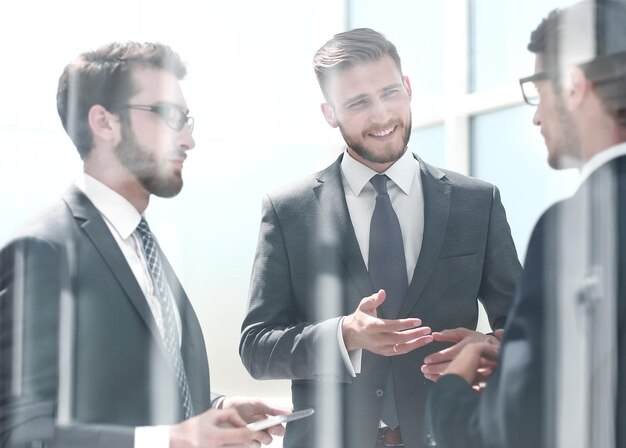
{"type": "Point", "coordinates": [279, 419]}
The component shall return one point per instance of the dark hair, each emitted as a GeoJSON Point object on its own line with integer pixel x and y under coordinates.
{"type": "Point", "coordinates": [351, 48]}
{"type": "Point", "coordinates": [558, 39]}
{"type": "Point", "coordinates": [104, 77]}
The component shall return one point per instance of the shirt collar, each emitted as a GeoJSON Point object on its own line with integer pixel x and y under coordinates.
{"type": "Point", "coordinates": [402, 172]}
{"type": "Point", "coordinates": [120, 213]}
{"type": "Point", "coordinates": [600, 159]}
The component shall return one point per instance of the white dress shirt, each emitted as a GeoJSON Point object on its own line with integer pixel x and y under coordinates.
{"type": "Point", "coordinates": [407, 199]}
{"type": "Point", "coordinates": [600, 159]}
{"type": "Point", "coordinates": [122, 218]}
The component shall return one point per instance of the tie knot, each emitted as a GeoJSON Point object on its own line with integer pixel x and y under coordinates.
{"type": "Point", "coordinates": [379, 182]}
{"type": "Point", "coordinates": [143, 228]}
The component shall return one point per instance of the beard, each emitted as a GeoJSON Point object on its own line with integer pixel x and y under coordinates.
{"type": "Point", "coordinates": [151, 172]}
{"type": "Point", "coordinates": [389, 155]}
{"type": "Point", "coordinates": [566, 151]}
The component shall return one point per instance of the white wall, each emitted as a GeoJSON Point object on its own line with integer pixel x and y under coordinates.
{"type": "Point", "coordinates": [254, 96]}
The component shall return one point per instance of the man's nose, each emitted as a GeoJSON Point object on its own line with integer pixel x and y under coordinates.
{"type": "Point", "coordinates": [380, 113]}
{"type": "Point", "coordinates": [185, 139]}
{"type": "Point", "coordinates": [537, 118]}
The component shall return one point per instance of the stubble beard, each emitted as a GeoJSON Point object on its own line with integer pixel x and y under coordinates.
{"type": "Point", "coordinates": [146, 167]}
{"type": "Point", "coordinates": [567, 152]}
{"type": "Point", "coordinates": [371, 156]}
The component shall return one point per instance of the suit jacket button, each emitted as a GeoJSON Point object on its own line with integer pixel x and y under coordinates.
{"type": "Point", "coordinates": [380, 393]}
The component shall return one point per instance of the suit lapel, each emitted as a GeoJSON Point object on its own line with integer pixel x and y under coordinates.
{"type": "Point", "coordinates": [437, 198]}
{"type": "Point", "coordinates": [93, 225]}
{"type": "Point", "coordinates": [337, 225]}
{"type": "Point", "coordinates": [193, 350]}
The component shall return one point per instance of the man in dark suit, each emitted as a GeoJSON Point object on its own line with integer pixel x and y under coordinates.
{"type": "Point", "coordinates": [562, 363]}
{"type": "Point", "coordinates": [99, 344]}
{"type": "Point", "coordinates": [347, 269]}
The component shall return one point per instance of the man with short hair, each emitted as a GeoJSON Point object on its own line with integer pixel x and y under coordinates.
{"type": "Point", "coordinates": [354, 259]}
{"type": "Point", "coordinates": [99, 344]}
{"type": "Point", "coordinates": [562, 361]}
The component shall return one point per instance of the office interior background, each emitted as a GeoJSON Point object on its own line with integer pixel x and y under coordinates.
{"type": "Point", "coordinates": [255, 99]}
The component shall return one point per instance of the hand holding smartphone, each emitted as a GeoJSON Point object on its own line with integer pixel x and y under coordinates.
{"type": "Point", "coordinates": [279, 419]}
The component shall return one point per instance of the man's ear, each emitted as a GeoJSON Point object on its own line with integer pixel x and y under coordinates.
{"type": "Point", "coordinates": [329, 114]}
{"type": "Point", "coordinates": [103, 124]}
{"type": "Point", "coordinates": [576, 87]}
{"type": "Point", "coordinates": [407, 86]}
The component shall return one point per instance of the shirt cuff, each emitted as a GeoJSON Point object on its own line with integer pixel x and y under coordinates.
{"type": "Point", "coordinates": [152, 437]}
{"type": "Point", "coordinates": [352, 360]}
{"type": "Point", "coordinates": [218, 403]}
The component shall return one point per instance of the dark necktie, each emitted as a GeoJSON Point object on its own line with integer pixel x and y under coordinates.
{"type": "Point", "coordinates": [387, 265]}
{"type": "Point", "coordinates": [166, 303]}
{"type": "Point", "coordinates": [387, 269]}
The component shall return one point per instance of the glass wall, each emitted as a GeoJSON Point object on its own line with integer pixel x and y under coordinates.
{"type": "Point", "coordinates": [499, 33]}
{"type": "Point", "coordinates": [505, 153]}
{"type": "Point", "coordinates": [253, 94]}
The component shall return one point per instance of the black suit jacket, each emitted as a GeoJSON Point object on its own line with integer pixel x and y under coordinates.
{"type": "Point", "coordinates": [308, 272]}
{"type": "Point", "coordinates": [81, 358]}
{"type": "Point", "coordinates": [519, 398]}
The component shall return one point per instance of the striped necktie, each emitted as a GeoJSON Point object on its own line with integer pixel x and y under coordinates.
{"type": "Point", "coordinates": [166, 302]}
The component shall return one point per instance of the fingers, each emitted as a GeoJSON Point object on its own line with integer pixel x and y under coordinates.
{"type": "Point", "coordinates": [453, 335]}
{"type": "Point", "coordinates": [434, 369]}
{"type": "Point", "coordinates": [230, 417]}
{"type": "Point", "coordinates": [490, 351]}
{"type": "Point", "coordinates": [409, 346]}
{"type": "Point", "coordinates": [445, 355]}
{"type": "Point", "coordinates": [266, 408]}
{"type": "Point", "coordinates": [499, 333]}
{"type": "Point", "coordinates": [278, 430]}
{"type": "Point", "coordinates": [401, 342]}
{"type": "Point", "coordinates": [369, 304]}
{"type": "Point", "coordinates": [263, 437]}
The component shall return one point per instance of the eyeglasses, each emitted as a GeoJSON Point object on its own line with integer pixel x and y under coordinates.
{"type": "Point", "coordinates": [173, 116]}
{"type": "Point", "coordinates": [529, 89]}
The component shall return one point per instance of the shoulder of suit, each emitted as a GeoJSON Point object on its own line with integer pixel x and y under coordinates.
{"type": "Point", "coordinates": [458, 180]}
{"type": "Point", "coordinates": [303, 188]}
{"type": "Point", "coordinates": [52, 225]}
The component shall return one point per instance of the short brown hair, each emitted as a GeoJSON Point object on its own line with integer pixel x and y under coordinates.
{"type": "Point", "coordinates": [607, 71]}
{"type": "Point", "coordinates": [104, 77]}
{"type": "Point", "coordinates": [351, 48]}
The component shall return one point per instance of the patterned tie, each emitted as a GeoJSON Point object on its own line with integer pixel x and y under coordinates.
{"type": "Point", "coordinates": [166, 302]}
{"type": "Point", "coordinates": [387, 265]}
{"type": "Point", "coordinates": [387, 269]}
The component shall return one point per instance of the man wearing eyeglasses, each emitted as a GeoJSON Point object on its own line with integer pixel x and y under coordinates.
{"type": "Point", "coordinates": [99, 344]}
{"type": "Point", "coordinates": [561, 377]}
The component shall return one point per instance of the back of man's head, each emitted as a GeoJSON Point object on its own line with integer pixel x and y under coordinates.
{"type": "Point", "coordinates": [592, 35]}
{"type": "Point", "coordinates": [349, 49]}
{"type": "Point", "coordinates": [104, 76]}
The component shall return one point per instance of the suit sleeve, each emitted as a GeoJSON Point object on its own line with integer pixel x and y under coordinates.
{"type": "Point", "coordinates": [511, 409]}
{"type": "Point", "coordinates": [275, 342]}
{"type": "Point", "coordinates": [501, 266]}
{"type": "Point", "coordinates": [452, 415]}
{"type": "Point", "coordinates": [33, 274]}
{"type": "Point", "coordinates": [509, 412]}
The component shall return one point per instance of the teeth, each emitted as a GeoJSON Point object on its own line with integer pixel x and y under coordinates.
{"type": "Point", "coordinates": [382, 133]}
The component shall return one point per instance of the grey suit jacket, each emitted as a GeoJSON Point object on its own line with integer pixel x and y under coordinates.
{"type": "Point", "coordinates": [81, 359]}
{"type": "Point", "coordinates": [308, 272]}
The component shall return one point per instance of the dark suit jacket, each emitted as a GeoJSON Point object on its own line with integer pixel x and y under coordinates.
{"type": "Point", "coordinates": [308, 272]}
{"type": "Point", "coordinates": [81, 359]}
{"type": "Point", "coordinates": [519, 398]}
